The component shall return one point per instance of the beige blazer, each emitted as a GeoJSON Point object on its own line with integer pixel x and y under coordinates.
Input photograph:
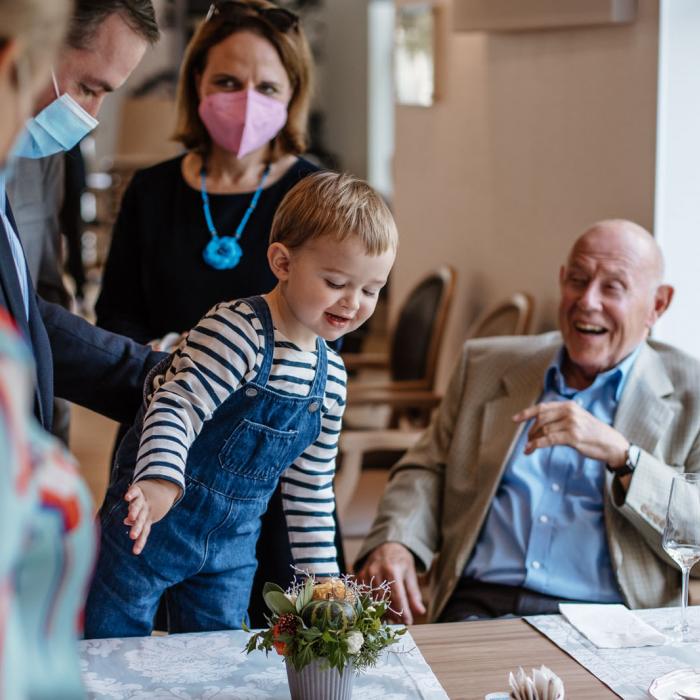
{"type": "Point", "coordinates": [439, 493]}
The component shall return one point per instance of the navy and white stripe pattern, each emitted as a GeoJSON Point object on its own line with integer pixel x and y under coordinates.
{"type": "Point", "coordinates": [221, 354]}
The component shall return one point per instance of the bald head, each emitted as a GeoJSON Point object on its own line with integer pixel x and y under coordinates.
{"type": "Point", "coordinates": [626, 239]}
{"type": "Point", "coordinates": [611, 295]}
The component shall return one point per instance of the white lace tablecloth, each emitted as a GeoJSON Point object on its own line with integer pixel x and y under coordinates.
{"type": "Point", "coordinates": [627, 672]}
{"type": "Point", "coordinates": [213, 666]}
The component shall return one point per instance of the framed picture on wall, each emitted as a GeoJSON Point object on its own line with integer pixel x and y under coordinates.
{"type": "Point", "coordinates": [414, 54]}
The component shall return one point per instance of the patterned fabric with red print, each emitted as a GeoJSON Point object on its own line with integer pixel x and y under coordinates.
{"type": "Point", "coordinates": [47, 546]}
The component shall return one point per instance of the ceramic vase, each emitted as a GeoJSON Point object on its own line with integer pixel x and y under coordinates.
{"type": "Point", "coordinates": [319, 682]}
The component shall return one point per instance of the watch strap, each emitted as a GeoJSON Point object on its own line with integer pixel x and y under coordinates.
{"type": "Point", "coordinates": [631, 461]}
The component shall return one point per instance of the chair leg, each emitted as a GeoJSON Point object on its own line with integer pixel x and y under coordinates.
{"type": "Point", "coordinates": [394, 419]}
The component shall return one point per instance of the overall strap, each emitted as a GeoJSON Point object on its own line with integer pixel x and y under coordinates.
{"type": "Point", "coordinates": [262, 311]}
{"type": "Point", "coordinates": [319, 385]}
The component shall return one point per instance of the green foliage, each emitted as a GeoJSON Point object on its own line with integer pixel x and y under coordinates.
{"type": "Point", "coordinates": [328, 628]}
{"type": "Point", "coordinates": [305, 595]}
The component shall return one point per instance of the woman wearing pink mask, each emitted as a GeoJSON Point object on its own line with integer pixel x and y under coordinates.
{"type": "Point", "coordinates": [194, 230]}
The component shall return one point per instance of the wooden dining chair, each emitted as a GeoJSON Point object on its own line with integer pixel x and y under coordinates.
{"type": "Point", "coordinates": [511, 316]}
{"type": "Point", "coordinates": [409, 393]}
{"type": "Point", "coordinates": [414, 348]}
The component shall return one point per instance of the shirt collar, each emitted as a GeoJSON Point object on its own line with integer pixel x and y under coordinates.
{"type": "Point", "coordinates": [616, 376]}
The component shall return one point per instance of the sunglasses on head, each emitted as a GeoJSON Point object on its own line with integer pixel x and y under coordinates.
{"type": "Point", "coordinates": [278, 17]}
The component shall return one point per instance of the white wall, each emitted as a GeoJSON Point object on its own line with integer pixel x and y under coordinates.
{"type": "Point", "coordinates": [380, 99]}
{"type": "Point", "coordinates": [343, 89]}
{"type": "Point", "coordinates": [535, 135]}
{"type": "Point", "coordinates": [677, 220]}
{"type": "Point", "coordinates": [157, 58]}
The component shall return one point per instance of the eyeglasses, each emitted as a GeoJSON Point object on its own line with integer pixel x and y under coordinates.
{"type": "Point", "coordinates": [278, 17]}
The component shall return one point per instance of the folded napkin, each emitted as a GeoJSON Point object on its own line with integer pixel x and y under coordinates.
{"type": "Point", "coordinates": [611, 626]}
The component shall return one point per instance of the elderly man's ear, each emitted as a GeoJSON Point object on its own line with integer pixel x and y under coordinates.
{"type": "Point", "coordinates": [662, 300]}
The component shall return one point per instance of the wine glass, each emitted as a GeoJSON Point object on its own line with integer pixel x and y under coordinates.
{"type": "Point", "coordinates": [681, 538]}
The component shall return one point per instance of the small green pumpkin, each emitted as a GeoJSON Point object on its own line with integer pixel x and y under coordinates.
{"type": "Point", "coordinates": [328, 614]}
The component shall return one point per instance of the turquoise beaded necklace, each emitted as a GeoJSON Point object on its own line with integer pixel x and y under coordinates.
{"type": "Point", "coordinates": [224, 252]}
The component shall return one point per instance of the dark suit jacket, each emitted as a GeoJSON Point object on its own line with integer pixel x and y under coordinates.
{"type": "Point", "coordinates": [79, 362]}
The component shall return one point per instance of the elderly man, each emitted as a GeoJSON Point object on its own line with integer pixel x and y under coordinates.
{"type": "Point", "coordinates": [105, 372]}
{"type": "Point", "coordinates": [545, 474]}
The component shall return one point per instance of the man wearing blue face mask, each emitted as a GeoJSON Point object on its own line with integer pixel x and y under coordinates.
{"type": "Point", "coordinates": [106, 40]}
{"type": "Point", "coordinates": [36, 191]}
{"type": "Point", "coordinates": [62, 124]}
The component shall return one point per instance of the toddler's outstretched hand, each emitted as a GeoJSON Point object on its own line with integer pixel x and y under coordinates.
{"type": "Point", "coordinates": [149, 501]}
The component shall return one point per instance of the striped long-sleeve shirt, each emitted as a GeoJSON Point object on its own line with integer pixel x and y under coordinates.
{"type": "Point", "coordinates": [220, 355]}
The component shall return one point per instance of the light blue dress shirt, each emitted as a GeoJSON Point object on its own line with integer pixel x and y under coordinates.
{"type": "Point", "coordinates": [545, 529]}
{"type": "Point", "coordinates": [16, 247]}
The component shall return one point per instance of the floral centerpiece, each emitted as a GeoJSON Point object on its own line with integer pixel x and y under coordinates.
{"type": "Point", "coordinates": [327, 631]}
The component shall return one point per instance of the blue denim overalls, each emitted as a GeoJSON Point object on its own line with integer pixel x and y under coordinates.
{"type": "Point", "coordinates": [203, 551]}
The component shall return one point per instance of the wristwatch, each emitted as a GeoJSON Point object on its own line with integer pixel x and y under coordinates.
{"type": "Point", "coordinates": [631, 461]}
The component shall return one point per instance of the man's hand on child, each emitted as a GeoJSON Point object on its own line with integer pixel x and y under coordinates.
{"type": "Point", "coordinates": [149, 501]}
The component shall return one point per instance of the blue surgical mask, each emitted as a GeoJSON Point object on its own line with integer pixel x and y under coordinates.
{"type": "Point", "coordinates": [58, 127]}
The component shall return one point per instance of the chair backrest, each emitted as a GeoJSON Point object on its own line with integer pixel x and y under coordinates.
{"type": "Point", "coordinates": [420, 328]}
{"type": "Point", "coordinates": [512, 316]}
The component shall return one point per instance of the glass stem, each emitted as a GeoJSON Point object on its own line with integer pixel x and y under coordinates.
{"type": "Point", "coordinates": [685, 574]}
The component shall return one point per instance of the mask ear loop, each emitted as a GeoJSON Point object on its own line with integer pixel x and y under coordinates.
{"type": "Point", "coordinates": [55, 83]}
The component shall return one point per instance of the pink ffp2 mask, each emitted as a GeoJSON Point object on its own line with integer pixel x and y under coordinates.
{"type": "Point", "coordinates": [242, 122]}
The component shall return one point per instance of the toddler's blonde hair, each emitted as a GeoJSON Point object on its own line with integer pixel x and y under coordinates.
{"type": "Point", "coordinates": [335, 204]}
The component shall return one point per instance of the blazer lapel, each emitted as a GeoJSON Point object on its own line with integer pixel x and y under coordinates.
{"type": "Point", "coordinates": [643, 415]}
{"type": "Point", "coordinates": [32, 330]}
{"type": "Point", "coordinates": [9, 281]}
{"type": "Point", "coordinates": [522, 386]}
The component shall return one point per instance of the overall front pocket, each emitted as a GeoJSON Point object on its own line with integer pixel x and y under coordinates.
{"type": "Point", "coordinates": [257, 451]}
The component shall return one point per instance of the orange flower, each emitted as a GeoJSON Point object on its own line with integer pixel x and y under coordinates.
{"type": "Point", "coordinates": [280, 647]}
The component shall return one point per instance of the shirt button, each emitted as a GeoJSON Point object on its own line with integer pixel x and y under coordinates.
{"type": "Point", "coordinates": [579, 401]}
{"type": "Point", "coordinates": [313, 406]}
{"type": "Point", "coordinates": [556, 488]}
{"type": "Point", "coordinates": [544, 519]}
{"type": "Point", "coordinates": [536, 565]}
{"type": "Point", "coordinates": [251, 392]}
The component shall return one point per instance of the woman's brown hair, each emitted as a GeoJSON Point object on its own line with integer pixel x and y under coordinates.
{"type": "Point", "coordinates": [291, 46]}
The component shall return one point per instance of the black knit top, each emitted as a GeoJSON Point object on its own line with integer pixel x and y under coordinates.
{"type": "Point", "coordinates": [155, 279]}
